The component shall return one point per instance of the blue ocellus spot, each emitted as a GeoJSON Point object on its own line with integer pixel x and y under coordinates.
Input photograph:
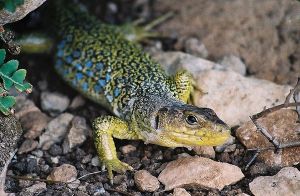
{"type": "Point", "coordinates": [69, 59]}
{"type": "Point", "coordinates": [97, 88]}
{"type": "Point", "coordinates": [62, 44]}
{"type": "Point", "coordinates": [89, 73]}
{"type": "Point", "coordinates": [102, 82]}
{"type": "Point", "coordinates": [99, 66]}
{"type": "Point", "coordinates": [85, 86]}
{"type": "Point", "coordinates": [109, 98]}
{"type": "Point", "coordinates": [107, 77]}
{"type": "Point", "coordinates": [89, 64]}
{"type": "Point", "coordinates": [76, 53]}
{"type": "Point", "coordinates": [66, 72]}
{"type": "Point", "coordinates": [78, 66]}
{"type": "Point", "coordinates": [60, 53]}
{"type": "Point", "coordinates": [116, 92]}
{"type": "Point", "coordinates": [79, 76]}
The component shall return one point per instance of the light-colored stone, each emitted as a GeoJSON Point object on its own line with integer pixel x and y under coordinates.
{"type": "Point", "coordinates": [54, 102]}
{"type": "Point", "coordinates": [35, 189]}
{"type": "Point", "coordinates": [235, 97]}
{"type": "Point", "coordinates": [282, 125]}
{"type": "Point", "coordinates": [205, 151]}
{"type": "Point", "coordinates": [233, 63]}
{"type": "Point", "coordinates": [145, 181]}
{"type": "Point", "coordinates": [21, 11]}
{"type": "Point", "coordinates": [285, 182]}
{"type": "Point", "coordinates": [34, 123]}
{"type": "Point", "coordinates": [180, 192]}
{"type": "Point", "coordinates": [95, 161]}
{"type": "Point", "coordinates": [63, 173]}
{"type": "Point", "coordinates": [27, 146]}
{"type": "Point", "coordinates": [76, 135]}
{"type": "Point", "coordinates": [128, 149]}
{"type": "Point", "coordinates": [195, 47]}
{"type": "Point", "coordinates": [199, 172]}
{"type": "Point", "coordinates": [55, 130]}
{"type": "Point", "coordinates": [77, 102]}
{"type": "Point", "coordinates": [172, 61]}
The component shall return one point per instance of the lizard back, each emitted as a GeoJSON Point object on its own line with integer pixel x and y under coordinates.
{"type": "Point", "coordinates": [96, 59]}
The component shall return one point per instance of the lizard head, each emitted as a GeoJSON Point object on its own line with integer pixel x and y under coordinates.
{"type": "Point", "coordinates": [188, 125]}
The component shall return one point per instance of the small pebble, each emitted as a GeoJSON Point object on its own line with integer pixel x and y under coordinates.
{"type": "Point", "coordinates": [54, 103]}
{"type": "Point", "coordinates": [128, 149]}
{"type": "Point", "coordinates": [55, 160]}
{"type": "Point", "coordinates": [205, 151]}
{"type": "Point", "coordinates": [180, 192]}
{"type": "Point", "coordinates": [145, 181]}
{"type": "Point", "coordinates": [64, 173]}
{"type": "Point", "coordinates": [95, 161]}
{"type": "Point", "coordinates": [27, 146]}
{"type": "Point", "coordinates": [77, 102]}
{"type": "Point", "coordinates": [233, 63]}
{"type": "Point", "coordinates": [195, 47]}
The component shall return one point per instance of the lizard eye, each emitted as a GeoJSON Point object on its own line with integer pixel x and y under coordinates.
{"type": "Point", "coordinates": [191, 119]}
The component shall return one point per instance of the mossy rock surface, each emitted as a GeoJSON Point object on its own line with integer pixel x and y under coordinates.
{"type": "Point", "coordinates": [10, 133]}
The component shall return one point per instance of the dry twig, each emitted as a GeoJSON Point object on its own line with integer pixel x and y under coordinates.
{"type": "Point", "coordinates": [277, 145]}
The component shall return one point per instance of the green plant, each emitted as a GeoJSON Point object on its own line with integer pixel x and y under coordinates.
{"type": "Point", "coordinates": [10, 5]}
{"type": "Point", "coordinates": [11, 77]}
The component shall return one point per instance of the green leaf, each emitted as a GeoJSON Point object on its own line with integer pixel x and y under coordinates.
{"type": "Point", "coordinates": [2, 56]}
{"type": "Point", "coordinates": [6, 103]}
{"type": "Point", "coordinates": [10, 5]}
{"type": "Point", "coordinates": [9, 67]}
{"type": "Point", "coordinates": [11, 76]}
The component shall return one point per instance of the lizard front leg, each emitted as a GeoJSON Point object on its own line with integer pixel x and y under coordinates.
{"type": "Point", "coordinates": [105, 128]}
{"type": "Point", "coordinates": [184, 85]}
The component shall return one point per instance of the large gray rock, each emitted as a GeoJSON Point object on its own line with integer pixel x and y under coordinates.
{"type": "Point", "coordinates": [21, 11]}
{"type": "Point", "coordinates": [285, 182]}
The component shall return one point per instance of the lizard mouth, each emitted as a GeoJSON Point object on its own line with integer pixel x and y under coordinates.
{"type": "Point", "coordinates": [206, 139]}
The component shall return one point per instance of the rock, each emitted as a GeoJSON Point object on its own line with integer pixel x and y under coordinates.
{"type": "Point", "coordinates": [34, 123]}
{"type": "Point", "coordinates": [205, 151]}
{"type": "Point", "coordinates": [234, 97]}
{"type": "Point", "coordinates": [54, 102]}
{"type": "Point", "coordinates": [77, 102]}
{"type": "Point", "coordinates": [21, 11]}
{"type": "Point", "coordinates": [95, 161]}
{"type": "Point", "coordinates": [55, 130]}
{"type": "Point", "coordinates": [54, 160]}
{"type": "Point", "coordinates": [195, 47]}
{"type": "Point", "coordinates": [74, 185]}
{"type": "Point", "coordinates": [128, 149]}
{"type": "Point", "coordinates": [35, 189]}
{"type": "Point", "coordinates": [282, 125]}
{"type": "Point", "coordinates": [285, 182]}
{"type": "Point", "coordinates": [262, 33]}
{"type": "Point", "coordinates": [172, 61]}
{"type": "Point", "coordinates": [233, 63]}
{"type": "Point", "coordinates": [27, 146]}
{"type": "Point", "coordinates": [180, 192]}
{"type": "Point", "coordinates": [199, 172]}
{"type": "Point", "coordinates": [76, 135]}
{"type": "Point", "coordinates": [63, 173]}
{"type": "Point", "coordinates": [10, 133]}
{"type": "Point", "coordinates": [228, 143]}
{"type": "Point", "coordinates": [145, 181]}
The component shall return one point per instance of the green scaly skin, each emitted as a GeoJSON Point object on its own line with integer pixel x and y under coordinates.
{"type": "Point", "coordinates": [98, 60]}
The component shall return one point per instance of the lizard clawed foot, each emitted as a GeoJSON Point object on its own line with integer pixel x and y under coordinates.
{"type": "Point", "coordinates": [115, 165]}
